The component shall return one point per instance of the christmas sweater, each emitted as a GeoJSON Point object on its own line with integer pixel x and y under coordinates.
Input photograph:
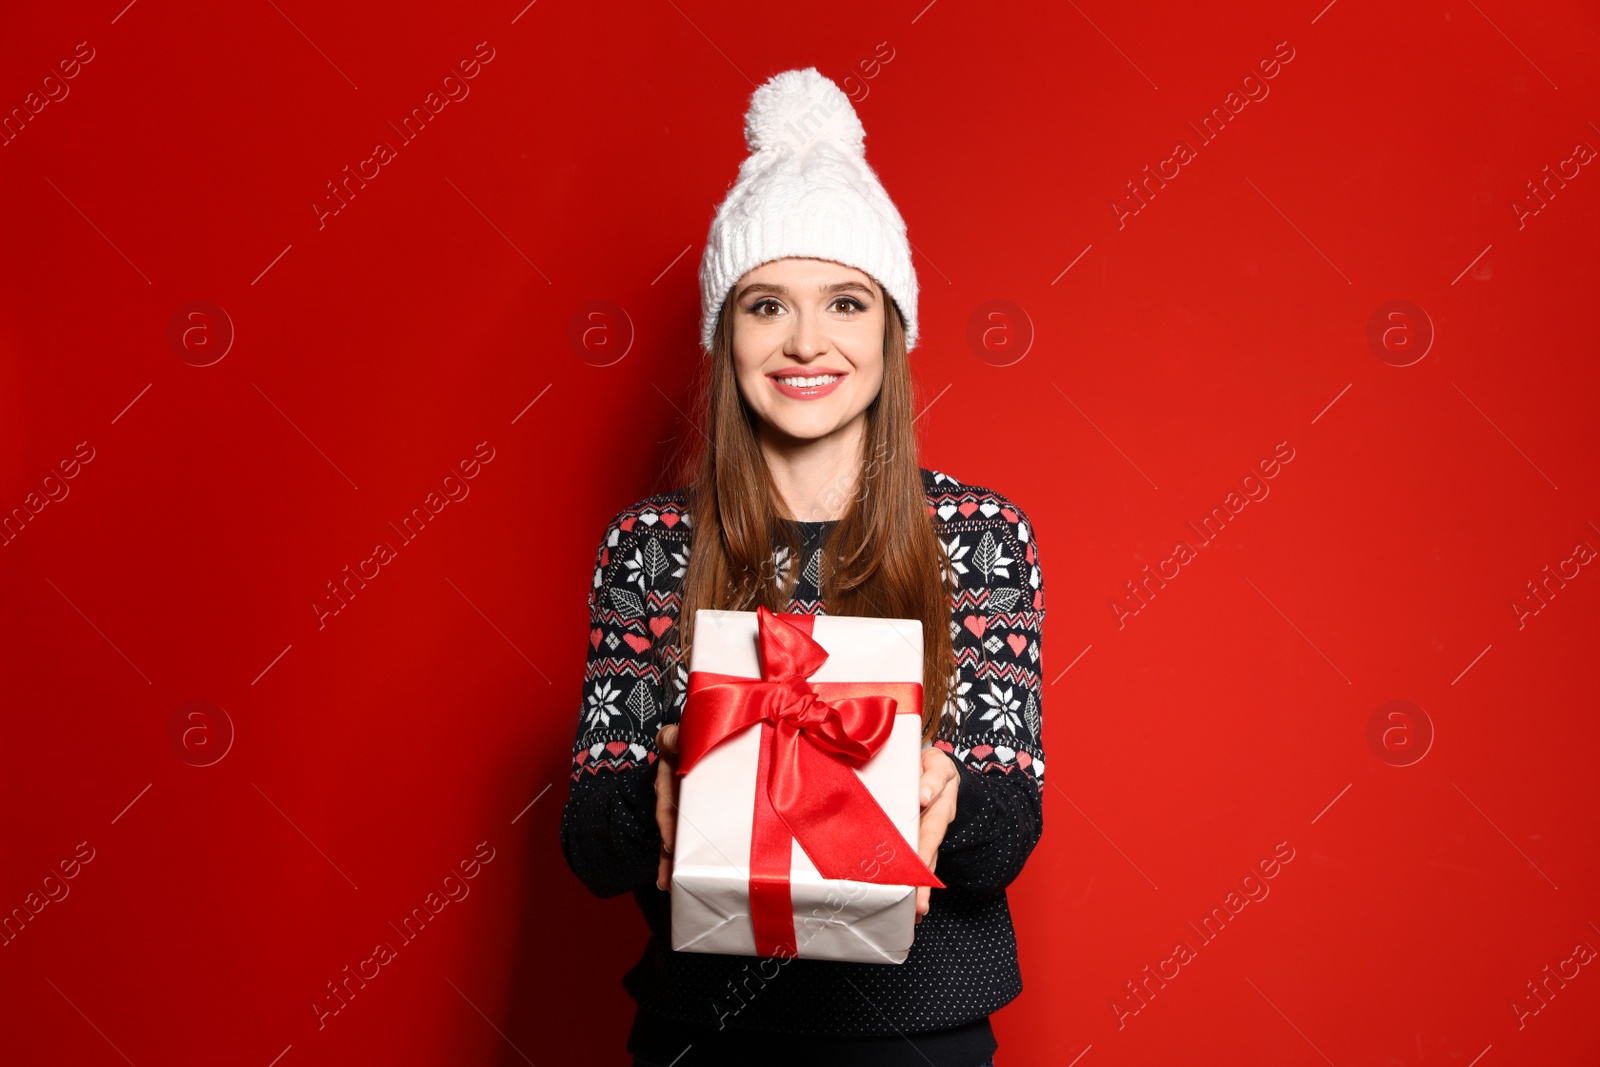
{"type": "Point", "coordinates": [963, 961]}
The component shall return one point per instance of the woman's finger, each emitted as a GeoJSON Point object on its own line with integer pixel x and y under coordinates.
{"type": "Point", "coordinates": [666, 785]}
{"type": "Point", "coordinates": [664, 871]}
{"type": "Point", "coordinates": [937, 773]}
{"type": "Point", "coordinates": [930, 832]}
{"type": "Point", "coordinates": [667, 816]}
{"type": "Point", "coordinates": [929, 781]}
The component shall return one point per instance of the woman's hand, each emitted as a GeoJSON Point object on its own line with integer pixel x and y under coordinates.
{"type": "Point", "coordinates": [940, 782]}
{"type": "Point", "coordinates": [666, 800]}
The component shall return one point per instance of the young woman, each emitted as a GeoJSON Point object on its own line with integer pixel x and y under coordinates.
{"type": "Point", "coordinates": [807, 497]}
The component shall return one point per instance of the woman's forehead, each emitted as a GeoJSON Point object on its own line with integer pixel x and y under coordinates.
{"type": "Point", "coordinates": [804, 266]}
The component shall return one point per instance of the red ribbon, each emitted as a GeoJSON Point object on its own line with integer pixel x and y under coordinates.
{"type": "Point", "coordinates": [811, 734]}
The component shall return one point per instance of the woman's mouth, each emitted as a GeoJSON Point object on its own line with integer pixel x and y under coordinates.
{"type": "Point", "coordinates": [806, 386]}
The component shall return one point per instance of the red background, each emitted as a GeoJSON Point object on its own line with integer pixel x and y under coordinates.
{"type": "Point", "coordinates": [435, 311]}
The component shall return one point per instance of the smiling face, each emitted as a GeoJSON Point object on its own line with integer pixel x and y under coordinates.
{"type": "Point", "coordinates": [808, 348]}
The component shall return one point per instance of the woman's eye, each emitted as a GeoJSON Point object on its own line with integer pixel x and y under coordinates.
{"type": "Point", "coordinates": [850, 302]}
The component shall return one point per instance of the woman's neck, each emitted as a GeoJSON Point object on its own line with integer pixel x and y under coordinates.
{"type": "Point", "coordinates": [816, 478]}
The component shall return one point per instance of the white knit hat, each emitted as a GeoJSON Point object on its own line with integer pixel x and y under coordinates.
{"type": "Point", "coordinates": [806, 190]}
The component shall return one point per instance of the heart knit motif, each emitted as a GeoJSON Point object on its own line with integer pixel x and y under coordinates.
{"type": "Point", "coordinates": [976, 623]}
{"type": "Point", "coordinates": [1011, 516]}
{"type": "Point", "coordinates": [635, 642]}
{"type": "Point", "coordinates": [1017, 642]}
{"type": "Point", "coordinates": [660, 624]}
{"type": "Point", "coordinates": [968, 508]}
{"type": "Point", "coordinates": [670, 518]}
{"type": "Point", "coordinates": [594, 637]}
{"type": "Point", "coordinates": [627, 524]}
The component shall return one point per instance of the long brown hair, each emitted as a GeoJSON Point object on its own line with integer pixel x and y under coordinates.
{"type": "Point", "coordinates": [883, 558]}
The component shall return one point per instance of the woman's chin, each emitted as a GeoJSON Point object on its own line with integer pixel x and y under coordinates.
{"type": "Point", "coordinates": [802, 431]}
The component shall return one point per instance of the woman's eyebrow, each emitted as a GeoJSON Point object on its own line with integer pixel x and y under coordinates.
{"type": "Point", "coordinates": [783, 290]}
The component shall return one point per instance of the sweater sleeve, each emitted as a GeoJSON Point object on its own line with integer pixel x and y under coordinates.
{"type": "Point", "coordinates": [998, 745]}
{"type": "Point", "coordinates": [609, 834]}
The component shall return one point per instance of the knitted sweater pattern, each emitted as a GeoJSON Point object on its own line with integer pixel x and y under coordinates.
{"type": "Point", "coordinates": [963, 962]}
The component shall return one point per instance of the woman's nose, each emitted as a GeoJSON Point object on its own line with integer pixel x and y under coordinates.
{"type": "Point", "coordinates": [806, 337]}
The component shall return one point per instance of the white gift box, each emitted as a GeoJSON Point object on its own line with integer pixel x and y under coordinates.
{"type": "Point", "coordinates": [835, 919]}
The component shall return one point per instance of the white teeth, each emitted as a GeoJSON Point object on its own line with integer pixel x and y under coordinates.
{"type": "Point", "coordinates": [808, 383]}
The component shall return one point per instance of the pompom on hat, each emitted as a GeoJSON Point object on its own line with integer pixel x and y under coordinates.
{"type": "Point", "coordinates": [806, 190]}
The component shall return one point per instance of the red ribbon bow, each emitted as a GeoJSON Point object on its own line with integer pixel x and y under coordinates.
{"type": "Point", "coordinates": [811, 732]}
